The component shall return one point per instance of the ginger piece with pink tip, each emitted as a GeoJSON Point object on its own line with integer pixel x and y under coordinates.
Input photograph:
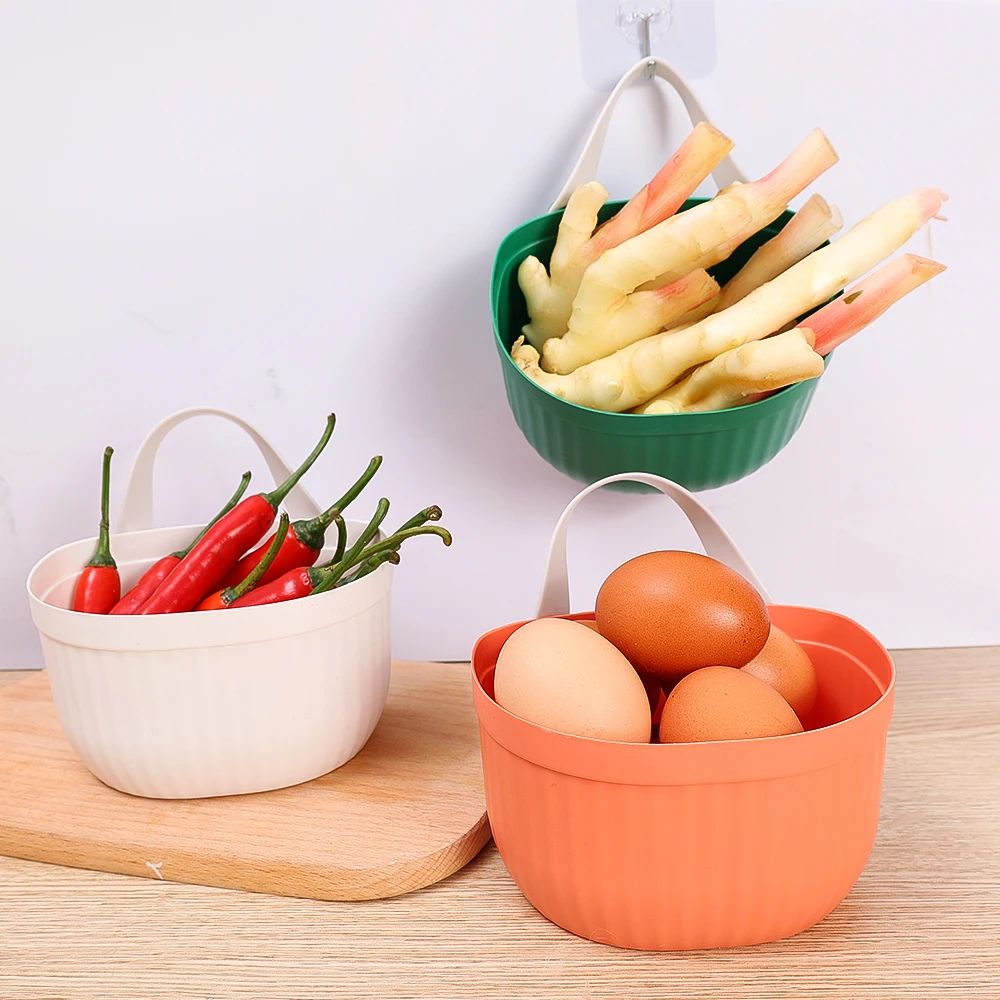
{"type": "Point", "coordinates": [811, 226]}
{"type": "Point", "coordinates": [697, 238]}
{"type": "Point", "coordinates": [868, 299]}
{"type": "Point", "coordinates": [549, 294]}
{"type": "Point", "coordinates": [865, 302]}
{"type": "Point", "coordinates": [826, 329]}
{"type": "Point", "coordinates": [760, 366]}
{"type": "Point", "coordinates": [812, 157]}
{"type": "Point", "coordinates": [635, 374]}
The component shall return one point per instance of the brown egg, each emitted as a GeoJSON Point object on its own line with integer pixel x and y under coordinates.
{"type": "Point", "coordinates": [649, 681]}
{"type": "Point", "coordinates": [720, 703]}
{"type": "Point", "coordinates": [559, 674]}
{"type": "Point", "coordinates": [673, 612]}
{"type": "Point", "coordinates": [786, 666]}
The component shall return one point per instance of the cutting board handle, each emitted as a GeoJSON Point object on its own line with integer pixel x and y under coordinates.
{"type": "Point", "coordinates": [137, 506]}
{"type": "Point", "coordinates": [554, 599]}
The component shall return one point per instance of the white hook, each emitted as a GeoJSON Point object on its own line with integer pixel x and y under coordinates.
{"type": "Point", "coordinates": [628, 16]}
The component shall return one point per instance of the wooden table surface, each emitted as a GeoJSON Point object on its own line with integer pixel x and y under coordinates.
{"type": "Point", "coordinates": [922, 922]}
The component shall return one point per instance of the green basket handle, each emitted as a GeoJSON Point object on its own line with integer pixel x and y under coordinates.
{"type": "Point", "coordinates": [554, 599]}
{"type": "Point", "coordinates": [725, 173]}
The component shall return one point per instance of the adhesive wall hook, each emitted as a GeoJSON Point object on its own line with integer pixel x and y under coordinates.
{"type": "Point", "coordinates": [641, 23]}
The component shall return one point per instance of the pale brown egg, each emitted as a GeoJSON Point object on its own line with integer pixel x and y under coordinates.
{"type": "Point", "coordinates": [564, 676]}
{"type": "Point", "coordinates": [650, 682]}
{"type": "Point", "coordinates": [786, 666]}
{"type": "Point", "coordinates": [672, 612]}
{"type": "Point", "coordinates": [722, 703]}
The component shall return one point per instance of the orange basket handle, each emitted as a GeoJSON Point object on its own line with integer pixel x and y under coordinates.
{"type": "Point", "coordinates": [554, 599]}
{"type": "Point", "coordinates": [137, 506]}
{"type": "Point", "coordinates": [585, 169]}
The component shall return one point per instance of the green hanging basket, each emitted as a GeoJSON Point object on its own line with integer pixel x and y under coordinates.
{"type": "Point", "coordinates": [698, 450]}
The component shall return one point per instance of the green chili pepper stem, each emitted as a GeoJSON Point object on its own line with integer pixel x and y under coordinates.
{"type": "Point", "coordinates": [102, 553]}
{"type": "Point", "coordinates": [312, 532]}
{"type": "Point", "coordinates": [331, 582]}
{"type": "Point", "coordinates": [275, 497]}
{"type": "Point", "coordinates": [421, 517]}
{"type": "Point", "coordinates": [338, 568]}
{"type": "Point", "coordinates": [233, 501]}
{"type": "Point", "coordinates": [355, 491]}
{"type": "Point", "coordinates": [338, 553]}
{"type": "Point", "coordinates": [327, 577]}
{"type": "Point", "coordinates": [371, 564]}
{"type": "Point", "coordinates": [231, 594]}
{"type": "Point", "coordinates": [370, 531]}
{"type": "Point", "coordinates": [394, 541]}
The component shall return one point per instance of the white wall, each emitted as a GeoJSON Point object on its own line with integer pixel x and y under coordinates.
{"type": "Point", "coordinates": [293, 208]}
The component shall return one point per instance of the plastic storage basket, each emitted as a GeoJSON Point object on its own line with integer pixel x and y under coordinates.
{"type": "Point", "coordinates": [697, 845]}
{"type": "Point", "coordinates": [697, 450]}
{"type": "Point", "coordinates": [218, 702]}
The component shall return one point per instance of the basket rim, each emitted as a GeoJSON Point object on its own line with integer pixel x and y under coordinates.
{"type": "Point", "coordinates": [755, 759]}
{"type": "Point", "coordinates": [194, 629]}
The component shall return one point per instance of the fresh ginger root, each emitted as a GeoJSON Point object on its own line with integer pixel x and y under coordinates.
{"type": "Point", "coordinates": [635, 374]}
{"type": "Point", "coordinates": [697, 238]}
{"type": "Point", "coordinates": [760, 366]}
{"type": "Point", "coordinates": [864, 303]}
{"type": "Point", "coordinates": [549, 294]}
{"type": "Point", "coordinates": [868, 299]}
{"type": "Point", "coordinates": [549, 297]}
{"type": "Point", "coordinates": [811, 226]}
{"type": "Point", "coordinates": [809, 159]}
{"type": "Point", "coordinates": [678, 302]}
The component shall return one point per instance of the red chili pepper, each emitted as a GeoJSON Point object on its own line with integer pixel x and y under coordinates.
{"type": "Point", "coordinates": [161, 569]}
{"type": "Point", "coordinates": [305, 539]}
{"type": "Point", "coordinates": [99, 586]}
{"type": "Point", "coordinates": [221, 599]}
{"type": "Point", "coordinates": [305, 581]}
{"type": "Point", "coordinates": [206, 565]}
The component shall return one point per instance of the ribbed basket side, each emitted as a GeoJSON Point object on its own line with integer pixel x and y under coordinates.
{"type": "Point", "coordinates": [681, 867]}
{"type": "Point", "coordinates": [225, 720]}
{"type": "Point", "coordinates": [697, 460]}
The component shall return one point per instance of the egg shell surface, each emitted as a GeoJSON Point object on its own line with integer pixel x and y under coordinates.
{"type": "Point", "coordinates": [786, 666]}
{"type": "Point", "coordinates": [671, 612]}
{"type": "Point", "coordinates": [723, 703]}
{"type": "Point", "coordinates": [565, 676]}
{"type": "Point", "coordinates": [649, 681]}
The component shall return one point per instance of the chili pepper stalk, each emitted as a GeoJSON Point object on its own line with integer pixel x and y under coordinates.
{"type": "Point", "coordinates": [222, 599]}
{"type": "Point", "coordinates": [370, 531]}
{"type": "Point", "coordinates": [338, 552]}
{"type": "Point", "coordinates": [98, 588]}
{"type": "Point", "coordinates": [370, 565]}
{"type": "Point", "coordinates": [337, 572]}
{"type": "Point", "coordinates": [305, 539]}
{"type": "Point", "coordinates": [161, 569]}
{"type": "Point", "coordinates": [302, 582]}
{"type": "Point", "coordinates": [206, 565]}
{"type": "Point", "coordinates": [307, 581]}
{"type": "Point", "coordinates": [432, 513]}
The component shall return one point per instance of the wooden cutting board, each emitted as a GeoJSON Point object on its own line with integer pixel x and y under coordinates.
{"type": "Point", "coordinates": [407, 811]}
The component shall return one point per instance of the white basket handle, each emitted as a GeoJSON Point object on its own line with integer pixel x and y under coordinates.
{"type": "Point", "coordinates": [137, 506]}
{"type": "Point", "coordinates": [554, 599]}
{"type": "Point", "coordinates": [585, 170]}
